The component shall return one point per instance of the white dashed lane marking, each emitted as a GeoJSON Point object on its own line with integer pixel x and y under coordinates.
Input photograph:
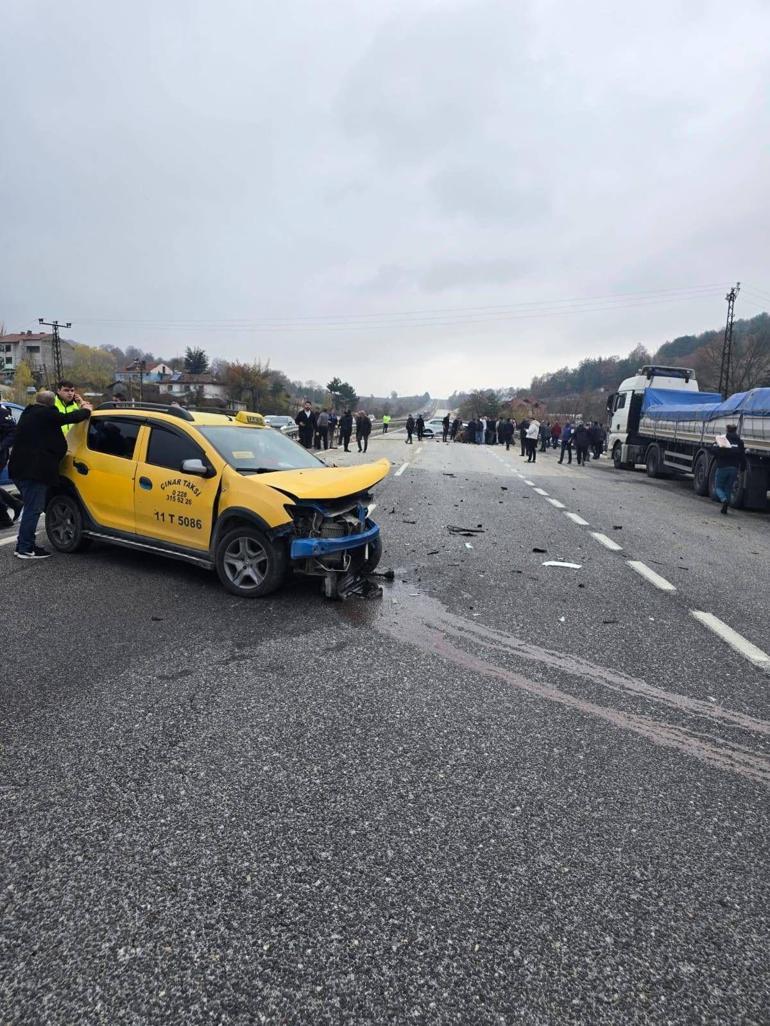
{"type": "Point", "coordinates": [530, 483]}
{"type": "Point", "coordinates": [540, 491]}
{"type": "Point", "coordinates": [401, 470]}
{"type": "Point", "coordinates": [556, 503]}
{"type": "Point", "coordinates": [576, 519]}
{"type": "Point", "coordinates": [644, 571]}
{"type": "Point", "coordinates": [733, 639]}
{"type": "Point", "coordinates": [608, 543]}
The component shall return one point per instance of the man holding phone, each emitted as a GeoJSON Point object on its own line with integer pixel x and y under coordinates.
{"type": "Point", "coordinates": [67, 401]}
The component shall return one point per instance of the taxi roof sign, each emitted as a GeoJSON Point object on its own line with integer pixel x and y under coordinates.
{"type": "Point", "coordinates": [252, 419]}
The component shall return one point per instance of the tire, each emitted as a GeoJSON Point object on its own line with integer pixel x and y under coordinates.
{"type": "Point", "coordinates": [247, 564]}
{"type": "Point", "coordinates": [64, 524]}
{"type": "Point", "coordinates": [700, 472]}
{"type": "Point", "coordinates": [654, 461]}
{"type": "Point", "coordinates": [373, 556]}
{"type": "Point", "coordinates": [712, 480]}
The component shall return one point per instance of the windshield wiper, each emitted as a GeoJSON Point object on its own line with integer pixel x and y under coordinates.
{"type": "Point", "coordinates": [256, 470]}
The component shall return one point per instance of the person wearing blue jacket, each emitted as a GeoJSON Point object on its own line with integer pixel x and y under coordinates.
{"type": "Point", "coordinates": [566, 442]}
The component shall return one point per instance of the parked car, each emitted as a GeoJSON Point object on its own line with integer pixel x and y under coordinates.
{"type": "Point", "coordinates": [279, 422]}
{"type": "Point", "coordinates": [16, 412]}
{"type": "Point", "coordinates": [223, 492]}
{"type": "Point", "coordinates": [433, 427]}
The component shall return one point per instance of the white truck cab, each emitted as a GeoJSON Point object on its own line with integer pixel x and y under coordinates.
{"type": "Point", "coordinates": [624, 406]}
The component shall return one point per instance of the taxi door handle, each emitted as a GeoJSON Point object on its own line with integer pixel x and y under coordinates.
{"type": "Point", "coordinates": [81, 468]}
{"type": "Point", "coordinates": [146, 483]}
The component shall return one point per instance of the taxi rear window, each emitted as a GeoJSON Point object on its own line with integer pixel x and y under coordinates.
{"type": "Point", "coordinates": [258, 450]}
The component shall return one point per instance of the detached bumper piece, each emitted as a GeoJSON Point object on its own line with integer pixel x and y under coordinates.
{"type": "Point", "coordinates": [307, 548]}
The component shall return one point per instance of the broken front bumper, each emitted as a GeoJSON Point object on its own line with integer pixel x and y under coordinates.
{"type": "Point", "coordinates": [305, 548]}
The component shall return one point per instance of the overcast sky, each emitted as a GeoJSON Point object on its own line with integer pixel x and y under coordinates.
{"type": "Point", "coordinates": [404, 194]}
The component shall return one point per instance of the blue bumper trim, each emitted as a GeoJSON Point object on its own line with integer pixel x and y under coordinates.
{"type": "Point", "coordinates": [303, 548]}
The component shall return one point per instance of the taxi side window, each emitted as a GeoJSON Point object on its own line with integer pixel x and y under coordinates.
{"type": "Point", "coordinates": [170, 449]}
{"type": "Point", "coordinates": [114, 437]}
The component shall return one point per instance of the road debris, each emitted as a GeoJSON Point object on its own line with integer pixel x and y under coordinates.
{"type": "Point", "coordinates": [466, 532]}
{"type": "Point", "coordinates": [539, 550]}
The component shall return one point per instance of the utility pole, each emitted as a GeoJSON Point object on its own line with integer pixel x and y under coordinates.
{"type": "Point", "coordinates": [58, 370]}
{"type": "Point", "coordinates": [727, 345]}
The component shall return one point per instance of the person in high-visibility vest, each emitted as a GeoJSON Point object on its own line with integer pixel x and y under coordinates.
{"type": "Point", "coordinates": [385, 422]}
{"type": "Point", "coordinates": [67, 401]}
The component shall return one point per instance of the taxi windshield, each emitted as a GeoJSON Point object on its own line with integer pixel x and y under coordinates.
{"type": "Point", "coordinates": [256, 450]}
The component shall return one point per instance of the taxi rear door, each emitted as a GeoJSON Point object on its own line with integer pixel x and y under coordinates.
{"type": "Point", "coordinates": [169, 504]}
{"type": "Point", "coordinates": [103, 469]}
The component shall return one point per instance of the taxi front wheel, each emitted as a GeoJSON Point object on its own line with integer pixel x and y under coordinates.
{"type": "Point", "coordinates": [64, 524]}
{"type": "Point", "coordinates": [248, 564]}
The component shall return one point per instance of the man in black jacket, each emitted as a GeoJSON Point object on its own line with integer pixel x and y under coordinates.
{"type": "Point", "coordinates": [730, 457]}
{"type": "Point", "coordinates": [346, 429]}
{"type": "Point", "coordinates": [305, 421]}
{"type": "Point", "coordinates": [38, 449]}
{"type": "Point", "coordinates": [363, 430]}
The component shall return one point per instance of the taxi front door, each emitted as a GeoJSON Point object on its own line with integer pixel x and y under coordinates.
{"type": "Point", "coordinates": [170, 505]}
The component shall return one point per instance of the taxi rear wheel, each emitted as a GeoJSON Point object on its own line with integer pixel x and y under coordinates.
{"type": "Point", "coordinates": [248, 564]}
{"type": "Point", "coordinates": [64, 525]}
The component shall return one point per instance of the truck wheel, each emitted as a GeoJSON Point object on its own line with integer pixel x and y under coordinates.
{"type": "Point", "coordinates": [700, 474]}
{"type": "Point", "coordinates": [616, 457]}
{"type": "Point", "coordinates": [248, 565]}
{"type": "Point", "coordinates": [712, 480]}
{"type": "Point", "coordinates": [64, 524]}
{"type": "Point", "coordinates": [654, 461]}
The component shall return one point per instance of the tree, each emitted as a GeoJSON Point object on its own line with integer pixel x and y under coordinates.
{"type": "Point", "coordinates": [22, 380]}
{"type": "Point", "coordinates": [482, 402]}
{"type": "Point", "coordinates": [92, 368]}
{"type": "Point", "coordinates": [246, 382]}
{"type": "Point", "coordinates": [195, 361]}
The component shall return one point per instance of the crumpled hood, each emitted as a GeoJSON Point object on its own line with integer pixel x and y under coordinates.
{"type": "Point", "coordinates": [327, 482]}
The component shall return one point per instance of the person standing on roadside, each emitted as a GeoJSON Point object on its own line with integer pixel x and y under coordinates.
{"type": "Point", "coordinates": [385, 423]}
{"type": "Point", "coordinates": [445, 428]}
{"type": "Point", "coordinates": [566, 442]}
{"type": "Point", "coordinates": [533, 432]}
{"type": "Point", "coordinates": [332, 428]}
{"type": "Point", "coordinates": [420, 425]}
{"type": "Point", "coordinates": [523, 427]}
{"type": "Point", "coordinates": [363, 430]}
{"type": "Point", "coordinates": [409, 429]}
{"type": "Point", "coordinates": [346, 429]}
{"type": "Point", "coordinates": [38, 449]}
{"type": "Point", "coordinates": [730, 457]}
{"type": "Point", "coordinates": [322, 429]}
{"type": "Point", "coordinates": [456, 425]}
{"type": "Point", "coordinates": [305, 421]}
{"type": "Point", "coordinates": [582, 442]}
{"type": "Point", "coordinates": [545, 436]}
{"type": "Point", "coordinates": [555, 434]}
{"type": "Point", "coordinates": [507, 432]}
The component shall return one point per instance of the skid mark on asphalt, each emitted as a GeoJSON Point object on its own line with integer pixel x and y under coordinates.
{"type": "Point", "coordinates": [424, 623]}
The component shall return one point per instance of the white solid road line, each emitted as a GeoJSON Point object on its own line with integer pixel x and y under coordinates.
{"type": "Point", "coordinates": [540, 491]}
{"type": "Point", "coordinates": [401, 470]}
{"type": "Point", "coordinates": [608, 543]}
{"type": "Point", "coordinates": [576, 519]}
{"type": "Point", "coordinates": [733, 639]}
{"type": "Point", "coordinates": [644, 571]}
{"type": "Point", "coordinates": [556, 503]}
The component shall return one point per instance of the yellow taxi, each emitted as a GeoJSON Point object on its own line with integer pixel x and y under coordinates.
{"type": "Point", "coordinates": [223, 491]}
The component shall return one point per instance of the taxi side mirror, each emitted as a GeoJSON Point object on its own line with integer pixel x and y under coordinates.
{"type": "Point", "coordinates": [197, 467]}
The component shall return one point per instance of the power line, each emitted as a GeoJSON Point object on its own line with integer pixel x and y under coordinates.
{"type": "Point", "coordinates": [437, 317]}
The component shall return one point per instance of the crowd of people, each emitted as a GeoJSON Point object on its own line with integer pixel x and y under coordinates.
{"type": "Point", "coordinates": [587, 441]}
{"type": "Point", "coordinates": [322, 429]}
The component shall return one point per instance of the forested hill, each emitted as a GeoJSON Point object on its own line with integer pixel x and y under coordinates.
{"type": "Point", "coordinates": [751, 362]}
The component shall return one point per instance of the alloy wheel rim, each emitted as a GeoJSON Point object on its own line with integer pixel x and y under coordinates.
{"type": "Point", "coordinates": [63, 526]}
{"type": "Point", "coordinates": [245, 563]}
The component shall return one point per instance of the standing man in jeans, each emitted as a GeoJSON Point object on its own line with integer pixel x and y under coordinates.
{"type": "Point", "coordinates": [730, 457]}
{"type": "Point", "coordinates": [37, 452]}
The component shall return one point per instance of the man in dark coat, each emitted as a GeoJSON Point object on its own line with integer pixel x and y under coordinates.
{"type": "Point", "coordinates": [730, 457]}
{"type": "Point", "coordinates": [409, 429]}
{"type": "Point", "coordinates": [7, 432]}
{"type": "Point", "coordinates": [523, 427]}
{"type": "Point", "coordinates": [38, 449]}
{"type": "Point", "coordinates": [305, 421]}
{"type": "Point", "coordinates": [363, 430]}
{"type": "Point", "coordinates": [420, 425]}
{"type": "Point", "coordinates": [346, 429]}
{"type": "Point", "coordinates": [507, 432]}
{"type": "Point", "coordinates": [582, 441]}
{"type": "Point", "coordinates": [445, 428]}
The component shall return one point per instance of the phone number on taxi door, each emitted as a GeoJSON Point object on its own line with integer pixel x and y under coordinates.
{"type": "Point", "coordinates": [173, 518]}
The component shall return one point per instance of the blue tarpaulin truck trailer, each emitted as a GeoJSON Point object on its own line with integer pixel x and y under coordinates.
{"type": "Point", "coordinates": [660, 419]}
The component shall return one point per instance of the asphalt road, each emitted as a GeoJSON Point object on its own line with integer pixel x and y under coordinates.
{"type": "Point", "coordinates": [505, 793]}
